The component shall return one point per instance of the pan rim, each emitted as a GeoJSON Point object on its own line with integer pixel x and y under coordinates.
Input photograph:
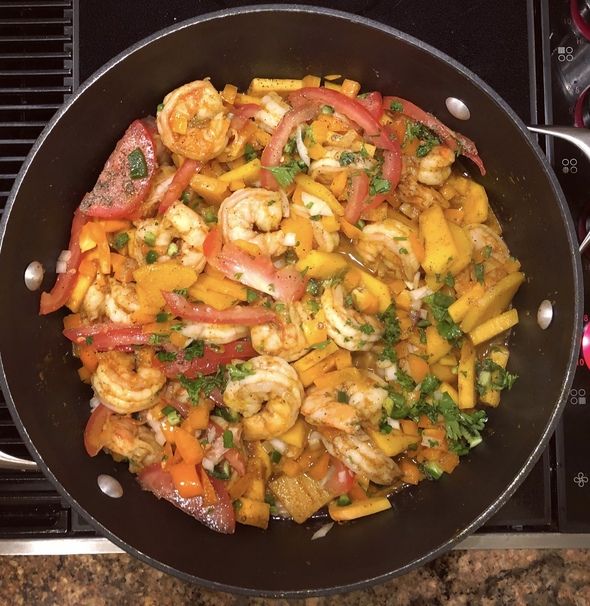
{"type": "Point", "coordinates": [577, 279]}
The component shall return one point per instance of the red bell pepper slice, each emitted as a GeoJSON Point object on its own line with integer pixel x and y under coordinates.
{"type": "Point", "coordinates": [351, 108]}
{"type": "Point", "coordinates": [180, 181]}
{"type": "Point", "coordinates": [60, 293]}
{"type": "Point", "coordinates": [271, 156]}
{"type": "Point", "coordinates": [198, 312]}
{"type": "Point", "coordinates": [455, 141]}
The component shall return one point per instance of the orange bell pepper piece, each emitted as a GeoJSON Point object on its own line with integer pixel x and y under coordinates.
{"type": "Point", "coordinates": [186, 480]}
{"type": "Point", "coordinates": [189, 447]}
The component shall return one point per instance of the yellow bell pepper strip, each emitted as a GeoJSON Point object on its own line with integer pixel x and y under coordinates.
{"type": "Point", "coordinates": [494, 326]}
{"type": "Point", "coordinates": [157, 277]}
{"type": "Point", "coordinates": [358, 509]}
{"type": "Point", "coordinates": [247, 173]}
{"type": "Point", "coordinates": [308, 185]}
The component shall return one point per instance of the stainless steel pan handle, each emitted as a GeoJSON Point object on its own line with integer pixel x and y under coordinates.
{"type": "Point", "coordinates": [9, 462]}
{"type": "Point", "coordinates": [580, 137]}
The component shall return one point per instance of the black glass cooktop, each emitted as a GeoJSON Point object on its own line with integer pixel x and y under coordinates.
{"type": "Point", "coordinates": [532, 55]}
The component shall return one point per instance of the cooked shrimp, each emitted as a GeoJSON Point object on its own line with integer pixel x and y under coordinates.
{"type": "Point", "coordinates": [348, 328]}
{"type": "Point", "coordinates": [120, 302]}
{"type": "Point", "coordinates": [314, 207]}
{"type": "Point", "coordinates": [250, 208]}
{"type": "Point", "coordinates": [484, 238]}
{"type": "Point", "coordinates": [358, 453]}
{"type": "Point", "coordinates": [385, 247]}
{"type": "Point", "coordinates": [93, 303]}
{"type": "Point", "coordinates": [411, 191]}
{"type": "Point", "coordinates": [363, 398]}
{"type": "Point", "coordinates": [285, 338]}
{"type": "Point", "coordinates": [193, 121]}
{"type": "Point", "coordinates": [161, 181]}
{"type": "Point", "coordinates": [269, 398]}
{"type": "Point", "coordinates": [180, 234]}
{"type": "Point", "coordinates": [128, 439]}
{"type": "Point", "coordinates": [217, 334]}
{"type": "Point", "coordinates": [127, 382]}
{"type": "Point", "coordinates": [435, 167]}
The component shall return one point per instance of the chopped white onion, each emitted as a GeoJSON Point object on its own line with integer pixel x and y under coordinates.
{"type": "Point", "coordinates": [409, 284]}
{"type": "Point", "coordinates": [391, 373]}
{"type": "Point", "coordinates": [207, 464]}
{"type": "Point", "coordinates": [65, 255]}
{"type": "Point", "coordinates": [326, 165]}
{"type": "Point", "coordinates": [279, 263]}
{"type": "Point", "coordinates": [279, 445]}
{"type": "Point", "coordinates": [94, 402]}
{"type": "Point", "coordinates": [411, 348]}
{"type": "Point", "coordinates": [423, 313]}
{"type": "Point", "coordinates": [322, 531]}
{"type": "Point", "coordinates": [429, 442]}
{"type": "Point", "coordinates": [157, 429]}
{"type": "Point", "coordinates": [315, 205]}
{"type": "Point", "coordinates": [61, 267]}
{"type": "Point", "coordinates": [301, 149]}
{"type": "Point", "coordinates": [290, 239]}
{"type": "Point", "coordinates": [314, 438]}
{"type": "Point", "coordinates": [394, 423]}
{"type": "Point", "coordinates": [419, 293]}
{"type": "Point", "coordinates": [416, 279]}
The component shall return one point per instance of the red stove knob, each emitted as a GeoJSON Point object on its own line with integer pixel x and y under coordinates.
{"type": "Point", "coordinates": [586, 345]}
{"type": "Point", "coordinates": [580, 14]}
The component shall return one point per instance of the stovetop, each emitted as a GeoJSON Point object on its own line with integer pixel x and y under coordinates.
{"type": "Point", "coordinates": [531, 53]}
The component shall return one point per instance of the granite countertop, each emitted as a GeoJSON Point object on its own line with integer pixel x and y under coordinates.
{"type": "Point", "coordinates": [486, 578]}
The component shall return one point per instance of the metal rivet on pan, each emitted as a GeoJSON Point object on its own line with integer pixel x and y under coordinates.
{"type": "Point", "coordinates": [545, 314]}
{"type": "Point", "coordinates": [110, 486]}
{"type": "Point", "coordinates": [34, 275]}
{"type": "Point", "coordinates": [457, 108]}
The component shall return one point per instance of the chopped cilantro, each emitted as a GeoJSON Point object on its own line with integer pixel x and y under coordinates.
{"type": "Point", "coordinates": [314, 287]}
{"type": "Point", "coordinates": [463, 429]}
{"type": "Point", "coordinates": [228, 439]}
{"type": "Point", "coordinates": [195, 350]}
{"type": "Point", "coordinates": [449, 280]}
{"type": "Point", "coordinates": [321, 345]}
{"type": "Point", "coordinates": [156, 339]}
{"type": "Point", "coordinates": [166, 356]}
{"type": "Point", "coordinates": [171, 414]}
{"type": "Point", "coordinates": [396, 106]}
{"type": "Point", "coordinates": [342, 397]}
{"type": "Point", "coordinates": [392, 330]}
{"type": "Point", "coordinates": [285, 175]}
{"type": "Point", "coordinates": [366, 329]}
{"type": "Point", "coordinates": [405, 381]}
{"type": "Point", "coordinates": [151, 257]}
{"type": "Point", "coordinates": [250, 153]}
{"type": "Point", "coordinates": [429, 384]}
{"type": "Point", "coordinates": [403, 251]}
{"type": "Point", "coordinates": [313, 305]}
{"type": "Point", "coordinates": [203, 383]}
{"type": "Point", "coordinates": [183, 292]}
{"type": "Point", "coordinates": [479, 271]}
{"type": "Point", "coordinates": [251, 295]}
{"type": "Point", "coordinates": [438, 304]}
{"type": "Point", "coordinates": [492, 376]}
{"type": "Point", "coordinates": [240, 370]}
{"type": "Point", "coordinates": [347, 158]}
{"type": "Point", "coordinates": [379, 185]}
{"type": "Point", "coordinates": [226, 413]}
{"type": "Point", "coordinates": [120, 240]}
{"type": "Point", "coordinates": [137, 165]}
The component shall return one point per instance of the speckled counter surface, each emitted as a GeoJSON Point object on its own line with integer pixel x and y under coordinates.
{"type": "Point", "coordinates": [539, 577]}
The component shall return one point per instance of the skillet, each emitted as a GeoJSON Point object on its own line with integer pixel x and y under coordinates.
{"type": "Point", "coordinates": [50, 405]}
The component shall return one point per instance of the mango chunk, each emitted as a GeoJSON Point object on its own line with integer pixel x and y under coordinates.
{"type": "Point", "coordinates": [440, 249]}
{"type": "Point", "coordinates": [157, 277]}
{"type": "Point", "coordinates": [392, 443]}
{"type": "Point", "coordinates": [466, 376]}
{"type": "Point", "coordinates": [358, 509]}
{"type": "Point", "coordinates": [493, 302]}
{"type": "Point", "coordinates": [499, 355]}
{"type": "Point", "coordinates": [488, 330]}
